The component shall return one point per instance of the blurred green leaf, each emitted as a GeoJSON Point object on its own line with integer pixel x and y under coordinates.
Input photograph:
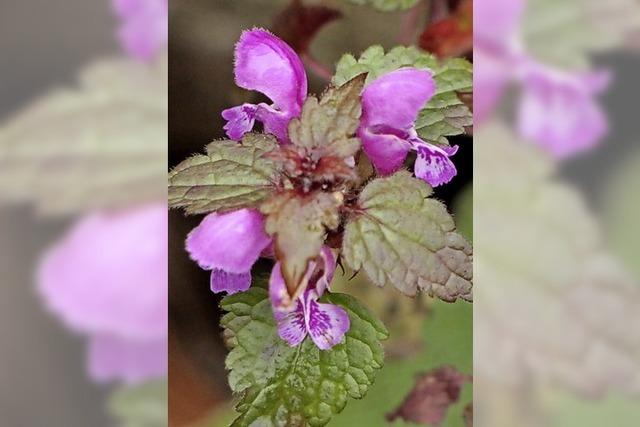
{"type": "Point", "coordinates": [143, 405]}
{"type": "Point", "coordinates": [282, 385]}
{"type": "Point", "coordinates": [100, 144]}
{"type": "Point", "coordinates": [405, 239]}
{"type": "Point", "coordinates": [445, 114]}
{"type": "Point", "coordinates": [387, 5]}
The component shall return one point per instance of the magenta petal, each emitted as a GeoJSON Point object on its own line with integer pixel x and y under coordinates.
{"type": "Point", "coordinates": [386, 152]}
{"type": "Point", "coordinates": [326, 323]}
{"type": "Point", "coordinates": [116, 358]}
{"type": "Point", "coordinates": [109, 274]}
{"type": "Point", "coordinates": [240, 120]}
{"type": "Point", "coordinates": [395, 99]}
{"type": "Point", "coordinates": [560, 111]}
{"type": "Point", "coordinates": [433, 164]}
{"type": "Point", "coordinates": [223, 281]}
{"type": "Point", "coordinates": [231, 241]}
{"type": "Point", "coordinates": [291, 324]}
{"type": "Point", "coordinates": [268, 65]}
{"type": "Point", "coordinates": [144, 29]}
{"type": "Point", "coordinates": [278, 294]}
{"type": "Point", "coordinates": [329, 268]}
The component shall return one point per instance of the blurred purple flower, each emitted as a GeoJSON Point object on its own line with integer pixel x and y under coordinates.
{"type": "Point", "coordinates": [143, 29]}
{"type": "Point", "coordinates": [229, 244]}
{"type": "Point", "coordinates": [266, 64]}
{"type": "Point", "coordinates": [558, 110]}
{"type": "Point", "coordinates": [326, 324]}
{"type": "Point", "coordinates": [107, 278]}
{"type": "Point", "coordinates": [390, 107]}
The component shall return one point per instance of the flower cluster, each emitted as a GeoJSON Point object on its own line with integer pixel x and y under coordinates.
{"type": "Point", "coordinates": [386, 129]}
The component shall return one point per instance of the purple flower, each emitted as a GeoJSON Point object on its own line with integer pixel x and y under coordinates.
{"type": "Point", "coordinates": [107, 278]}
{"type": "Point", "coordinates": [559, 110]}
{"type": "Point", "coordinates": [326, 324]}
{"type": "Point", "coordinates": [229, 244]}
{"type": "Point", "coordinates": [143, 27]}
{"type": "Point", "coordinates": [390, 106]}
{"type": "Point", "coordinates": [266, 64]}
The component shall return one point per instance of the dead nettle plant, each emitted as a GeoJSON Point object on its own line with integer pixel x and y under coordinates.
{"type": "Point", "coordinates": [324, 184]}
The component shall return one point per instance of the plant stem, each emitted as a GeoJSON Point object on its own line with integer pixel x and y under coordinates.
{"type": "Point", "coordinates": [316, 67]}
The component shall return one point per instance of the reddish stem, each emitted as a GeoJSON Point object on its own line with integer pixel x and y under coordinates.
{"type": "Point", "coordinates": [316, 67]}
{"type": "Point", "coordinates": [409, 24]}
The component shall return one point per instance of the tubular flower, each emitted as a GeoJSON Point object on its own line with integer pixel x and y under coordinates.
{"type": "Point", "coordinates": [143, 30]}
{"type": "Point", "coordinates": [229, 244]}
{"type": "Point", "coordinates": [266, 64]}
{"type": "Point", "coordinates": [390, 107]}
{"type": "Point", "coordinates": [558, 109]}
{"type": "Point", "coordinates": [326, 324]}
{"type": "Point", "coordinates": [107, 278]}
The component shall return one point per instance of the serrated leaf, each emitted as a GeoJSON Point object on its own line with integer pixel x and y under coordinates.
{"type": "Point", "coordinates": [296, 386]}
{"type": "Point", "coordinates": [143, 405]}
{"type": "Point", "coordinates": [229, 176]}
{"type": "Point", "coordinates": [445, 114]}
{"type": "Point", "coordinates": [298, 225]}
{"type": "Point", "coordinates": [387, 5]}
{"type": "Point", "coordinates": [330, 124]}
{"type": "Point", "coordinates": [98, 145]}
{"type": "Point", "coordinates": [405, 239]}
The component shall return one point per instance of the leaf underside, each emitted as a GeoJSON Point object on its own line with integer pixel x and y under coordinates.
{"type": "Point", "coordinates": [405, 239]}
{"type": "Point", "coordinates": [229, 176]}
{"type": "Point", "coordinates": [296, 386]}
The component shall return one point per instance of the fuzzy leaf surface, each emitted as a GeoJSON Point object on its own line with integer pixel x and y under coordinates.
{"type": "Point", "coordinates": [406, 239]}
{"type": "Point", "coordinates": [229, 176]}
{"type": "Point", "coordinates": [298, 225]}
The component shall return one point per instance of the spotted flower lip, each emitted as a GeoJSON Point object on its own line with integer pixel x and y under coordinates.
{"type": "Point", "coordinates": [325, 323]}
{"type": "Point", "coordinates": [143, 29]}
{"type": "Point", "coordinates": [209, 245]}
{"type": "Point", "coordinates": [268, 65]}
{"type": "Point", "coordinates": [390, 107]}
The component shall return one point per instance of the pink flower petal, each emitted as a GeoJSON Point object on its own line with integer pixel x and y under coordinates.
{"type": "Point", "coordinates": [231, 241]}
{"type": "Point", "coordinates": [240, 120]}
{"type": "Point", "coordinates": [143, 31]}
{"type": "Point", "coordinates": [291, 324]}
{"type": "Point", "coordinates": [223, 281]}
{"type": "Point", "coordinates": [109, 274]}
{"type": "Point", "coordinates": [560, 111]}
{"type": "Point", "coordinates": [326, 323]}
{"type": "Point", "coordinates": [433, 164]}
{"type": "Point", "coordinates": [116, 358]}
{"type": "Point", "coordinates": [395, 99]}
{"type": "Point", "coordinates": [268, 65]}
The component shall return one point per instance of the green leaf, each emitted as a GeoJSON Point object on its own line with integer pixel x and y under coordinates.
{"type": "Point", "coordinates": [567, 33]}
{"type": "Point", "coordinates": [298, 225]}
{"type": "Point", "coordinates": [99, 144]}
{"type": "Point", "coordinates": [143, 405]}
{"type": "Point", "coordinates": [387, 5]}
{"type": "Point", "coordinates": [445, 114]}
{"type": "Point", "coordinates": [290, 386]}
{"type": "Point", "coordinates": [405, 239]}
{"type": "Point", "coordinates": [329, 124]}
{"type": "Point", "coordinates": [229, 176]}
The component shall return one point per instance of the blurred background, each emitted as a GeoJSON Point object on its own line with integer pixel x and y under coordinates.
{"type": "Point", "coordinates": [424, 334]}
{"type": "Point", "coordinates": [43, 45]}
